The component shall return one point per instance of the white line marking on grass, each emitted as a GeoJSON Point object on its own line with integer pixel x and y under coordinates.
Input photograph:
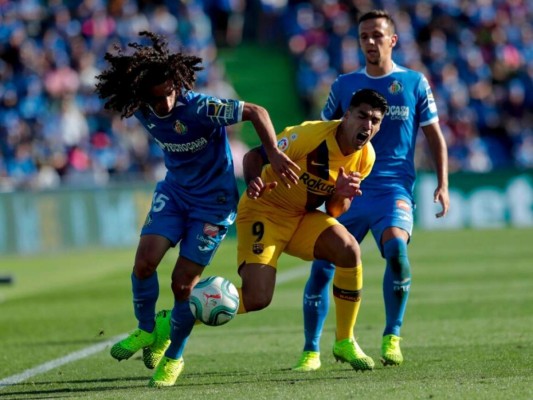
{"type": "Point", "coordinates": [47, 366]}
{"type": "Point", "coordinates": [282, 277]}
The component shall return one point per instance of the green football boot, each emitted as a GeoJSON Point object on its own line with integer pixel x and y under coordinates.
{"type": "Point", "coordinates": [155, 352]}
{"type": "Point", "coordinates": [136, 340]}
{"type": "Point", "coordinates": [167, 372]}
{"type": "Point", "coordinates": [309, 361]}
{"type": "Point", "coordinates": [390, 350]}
{"type": "Point", "coordinates": [347, 350]}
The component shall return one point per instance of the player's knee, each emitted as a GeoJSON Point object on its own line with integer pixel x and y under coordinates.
{"type": "Point", "coordinates": [347, 253]}
{"type": "Point", "coordinates": [395, 252]}
{"type": "Point", "coordinates": [144, 267]}
{"type": "Point", "coordinates": [182, 290]}
{"type": "Point", "coordinates": [256, 301]}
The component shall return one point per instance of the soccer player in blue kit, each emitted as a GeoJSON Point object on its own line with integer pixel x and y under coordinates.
{"type": "Point", "coordinates": [386, 205]}
{"type": "Point", "coordinates": [196, 201]}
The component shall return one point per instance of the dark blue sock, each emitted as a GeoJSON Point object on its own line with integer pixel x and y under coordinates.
{"type": "Point", "coordinates": [316, 303]}
{"type": "Point", "coordinates": [145, 294]}
{"type": "Point", "coordinates": [396, 284]}
{"type": "Point", "coordinates": [181, 325]}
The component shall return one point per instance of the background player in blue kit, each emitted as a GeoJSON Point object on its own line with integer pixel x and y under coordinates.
{"type": "Point", "coordinates": [197, 200]}
{"type": "Point", "coordinates": [386, 205]}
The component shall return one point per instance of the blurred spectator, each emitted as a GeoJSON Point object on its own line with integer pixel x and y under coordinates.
{"type": "Point", "coordinates": [478, 55]}
{"type": "Point", "coordinates": [53, 128]}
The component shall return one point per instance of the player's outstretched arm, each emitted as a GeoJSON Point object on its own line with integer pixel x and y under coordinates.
{"type": "Point", "coordinates": [282, 165]}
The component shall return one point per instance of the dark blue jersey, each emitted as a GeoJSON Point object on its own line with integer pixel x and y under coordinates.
{"type": "Point", "coordinates": [411, 105]}
{"type": "Point", "coordinates": [196, 148]}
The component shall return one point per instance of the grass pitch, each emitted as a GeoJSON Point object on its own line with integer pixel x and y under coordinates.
{"type": "Point", "coordinates": [467, 333]}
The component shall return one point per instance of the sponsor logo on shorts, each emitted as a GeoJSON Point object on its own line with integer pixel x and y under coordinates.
{"type": "Point", "coordinates": [258, 248]}
{"type": "Point", "coordinates": [207, 244]}
{"type": "Point", "coordinates": [402, 204]}
{"type": "Point", "coordinates": [211, 230]}
{"type": "Point", "coordinates": [208, 240]}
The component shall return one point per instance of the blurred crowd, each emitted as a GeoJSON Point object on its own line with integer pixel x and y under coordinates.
{"type": "Point", "coordinates": [478, 56]}
{"type": "Point", "coordinates": [53, 128]}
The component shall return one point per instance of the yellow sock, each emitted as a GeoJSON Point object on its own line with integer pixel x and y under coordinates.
{"type": "Point", "coordinates": [241, 310]}
{"type": "Point", "coordinates": [347, 285]}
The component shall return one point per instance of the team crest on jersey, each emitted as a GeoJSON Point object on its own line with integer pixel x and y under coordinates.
{"type": "Point", "coordinates": [402, 204]}
{"type": "Point", "coordinates": [258, 248]}
{"type": "Point", "coordinates": [180, 127]}
{"type": "Point", "coordinates": [283, 144]}
{"type": "Point", "coordinates": [395, 87]}
{"type": "Point", "coordinates": [294, 136]}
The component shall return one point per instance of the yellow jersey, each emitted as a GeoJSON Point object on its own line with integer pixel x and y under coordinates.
{"type": "Point", "coordinates": [313, 146]}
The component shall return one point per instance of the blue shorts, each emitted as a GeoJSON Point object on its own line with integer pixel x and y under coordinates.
{"type": "Point", "coordinates": [377, 212]}
{"type": "Point", "coordinates": [187, 224]}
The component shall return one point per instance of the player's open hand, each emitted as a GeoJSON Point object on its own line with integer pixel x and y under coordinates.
{"type": "Point", "coordinates": [442, 196]}
{"type": "Point", "coordinates": [348, 184]}
{"type": "Point", "coordinates": [284, 167]}
{"type": "Point", "coordinates": [257, 188]}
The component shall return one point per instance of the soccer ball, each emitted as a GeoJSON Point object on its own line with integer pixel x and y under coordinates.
{"type": "Point", "coordinates": [214, 301]}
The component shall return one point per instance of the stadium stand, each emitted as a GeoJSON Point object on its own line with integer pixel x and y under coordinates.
{"type": "Point", "coordinates": [478, 56]}
{"type": "Point", "coordinates": [53, 130]}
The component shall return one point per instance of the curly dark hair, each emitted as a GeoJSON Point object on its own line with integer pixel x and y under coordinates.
{"type": "Point", "coordinates": [126, 82]}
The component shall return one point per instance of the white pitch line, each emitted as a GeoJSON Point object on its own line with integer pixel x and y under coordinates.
{"type": "Point", "coordinates": [282, 278]}
{"type": "Point", "coordinates": [47, 366]}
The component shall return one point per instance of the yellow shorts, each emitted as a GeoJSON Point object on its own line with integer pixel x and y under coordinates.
{"type": "Point", "coordinates": [264, 232]}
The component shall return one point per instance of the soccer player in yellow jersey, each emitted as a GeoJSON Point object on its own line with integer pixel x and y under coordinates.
{"type": "Point", "coordinates": [334, 157]}
{"type": "Point", "coordinates": [331, 160]}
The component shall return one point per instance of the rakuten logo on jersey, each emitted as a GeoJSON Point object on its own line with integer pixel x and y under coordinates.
{"type": "Point", "coordinates": [316, 185]}
{"type": "Point", "coordinates": [398, 112]}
